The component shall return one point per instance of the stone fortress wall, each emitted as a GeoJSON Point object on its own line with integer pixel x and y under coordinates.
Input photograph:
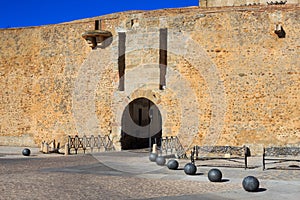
{"type": "Point", "coordinates": [232, 76]}
{"type": "Point", "coordinates": [220, 3]}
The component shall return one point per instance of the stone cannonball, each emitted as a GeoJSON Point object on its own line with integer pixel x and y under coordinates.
{"type": "Point", "coordinates": [190, 169]}
{"type": "Point", "coordinates": [250, 184]}
{"type": "Point", "coordinates": [26, 152]}
{"type": "Point", "coordinates": [215, 175]}
{"type": "Point", "coordinates": [152, 157]}
{"type": "Point", "coordinates": [173, 164]}
{"type": "Point", "coordinates": [160, 160]}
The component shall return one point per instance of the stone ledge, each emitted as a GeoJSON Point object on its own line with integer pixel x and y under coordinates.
{"type": "Point", "coordinates": [97, 38]}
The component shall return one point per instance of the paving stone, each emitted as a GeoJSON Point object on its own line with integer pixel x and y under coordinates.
{"type": "Point", "coordinates": [85, 177]}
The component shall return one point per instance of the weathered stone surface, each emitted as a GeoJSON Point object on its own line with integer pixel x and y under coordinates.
{"type": "Point", "coordinates": [230, 79]}
{"type": "Point", "coordinates": [219, 3]}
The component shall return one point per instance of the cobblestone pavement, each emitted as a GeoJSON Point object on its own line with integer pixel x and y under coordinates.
{"type": "Point", "coordinates": [107, 176]}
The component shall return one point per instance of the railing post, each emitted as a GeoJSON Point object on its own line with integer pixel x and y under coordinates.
{"type": "Point", "coordinates": [104, 142]}
{"type": "Point", "coordinates": [69, 141]}
{"type": "Point", "coordinates": [162, 145]}
{"type": "Point", "coordinates": [192, 157]}
{"type": "Point", "coordinates": [84, 138]}
{"type": "Point", "coordinates": [76, 144]}
{"type": "Point", "coordinates": [99, 143]}
{"type": "Point", "coordinates": [92, 142]}
{"type": "Point", "coordinates": [264, 164]}
{"type": "Point", "coordinates": [197, 152]}
{"type": "Point", "coordinates": [246, 156]}
{"type": "Point", "coordinates": [107, 142]}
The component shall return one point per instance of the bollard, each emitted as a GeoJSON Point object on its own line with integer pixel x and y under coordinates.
{"type": "Point", "coordinates": [42, 147]}
{"type": "Point", "coordinates": [160, 160]}
{"type": "Point", "coordinates": [215, 175]}
{"type": "Point", "coordinates": [190, 169]}
{"type": "Point", "coordinates": [67, 152]}
{"type": "Point", "coordinates": [154, 148]}
{"type": "Point", "coordinates": [152, 157]}
{"type": "Point", "coordinates": [26, 152]}
{"type": "Point", "coordinates": [250, 184]}
{"type": "Point", "coordinates": [173, 164]}
{"type": "Point", "coordinates": [45, 147]}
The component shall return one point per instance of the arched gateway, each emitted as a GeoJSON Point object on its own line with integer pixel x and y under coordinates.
{"type": "Point", "coordinates": [141, 124]}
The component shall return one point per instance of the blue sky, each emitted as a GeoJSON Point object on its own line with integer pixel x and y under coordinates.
{"type": "Point", "coordinates": [17, 13]}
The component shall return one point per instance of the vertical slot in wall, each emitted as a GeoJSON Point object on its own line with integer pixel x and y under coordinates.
{"type": "Point", "coordinates": [97, 24]}
{"type": "Point", "coordinates": [121, 60]}
{"type": "Point", "coordinates": [163, 53]}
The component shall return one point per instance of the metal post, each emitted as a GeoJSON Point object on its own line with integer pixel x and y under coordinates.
{"type": "Point", "coordinates": [246, 156]}
{"type": "Point", "coordinates": [149, 138]}
{"type": "Point", "coordinates": [149, 130]}
{"type": "Point", "coordinates": [192, 157]}
{"type": "Point", "coordinates": [264, 164]}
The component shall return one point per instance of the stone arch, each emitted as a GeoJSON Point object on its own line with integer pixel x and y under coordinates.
{"type": "Point", "coordinates": [141, 125]}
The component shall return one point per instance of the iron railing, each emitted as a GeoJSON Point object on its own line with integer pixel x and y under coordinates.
{"type": "Point", "coordinates": [170, 145]}
{"type": "Point", "coordinates": [100, 143]}
{"type": "Point", "coordinates": [280, 155]}
{"type": "Point", "coordinates": [221, 152]}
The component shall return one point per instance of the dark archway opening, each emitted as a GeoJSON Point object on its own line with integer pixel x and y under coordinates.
{"type": "Point", "coordinates": [141, 125]}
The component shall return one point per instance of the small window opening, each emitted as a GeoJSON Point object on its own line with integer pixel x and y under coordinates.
{"type": "Point", "coordinates": [131, 23]}
{"type": "Point", "coordinates": [97, 24]}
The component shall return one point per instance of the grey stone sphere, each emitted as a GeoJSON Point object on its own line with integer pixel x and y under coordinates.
{"type": "Point", "coordinates": [26, 152]}
{"type": "Point", "coordinates": [152, 157]}
{"type": "Point", "coordinates": [250, 184]}
{"type": "Point", "coordinates": [190, 169]}
{"type": "Point", "coordinates": [160, 160]}
{"type": "Point", "coordinates": [173, 164]}
{"type": "Point", "coordinates": [215, 175]}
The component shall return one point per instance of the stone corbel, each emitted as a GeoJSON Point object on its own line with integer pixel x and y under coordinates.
{"type": "Point", "coordinates": [98, 38]}
{"type": "Point", "coordinates": [279, 31]}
